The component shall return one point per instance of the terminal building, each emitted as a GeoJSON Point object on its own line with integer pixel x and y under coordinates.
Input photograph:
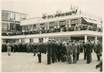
{"type": "Point", "coordinates": [11, 23]}
{"type": "Point", "coordinates": [63, 26]}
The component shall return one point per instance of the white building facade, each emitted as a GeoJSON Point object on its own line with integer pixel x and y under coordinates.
{"type": "Point", "coordinates": [66, 26]}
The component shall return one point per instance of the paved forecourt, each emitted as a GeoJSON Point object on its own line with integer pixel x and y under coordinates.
{"type": "Point", "coordinates": [26, 62]}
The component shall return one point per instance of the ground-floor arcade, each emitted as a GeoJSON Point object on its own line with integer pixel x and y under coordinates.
{"type": "Point", "coordinates": [63, 36]}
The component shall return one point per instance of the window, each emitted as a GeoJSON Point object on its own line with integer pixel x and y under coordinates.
{"type": "Point", "coordinates": [22, 40]}
{"type": "Point", "coordinates": [22, 17]}
{"type": "Point", "coordinates": [74, 21]}
{"type": "Point", "coordinates": [34, 26]}
{"type": "Point", "coordinates": [18, 27]}
{"type": "Point", "coordinates": [12, 26]}
{"type": "Point", "coordinates": [17, 17]}
{"type": "Point", "coordinates": [62, 22]}
{"type": "Point", "coordinates": [4, 26]}
{"type": "Point", "coordinates": [5, 15]}
{"type": "Point", "coordinates": [51, 25]}
{"type": "Point", "coordinates": [73, 25]}
{"type": "Point", "coordinates": [25, 28]}
{"type": "Point", "coordinates": [42, 24]}
{"type": "Point", "coordinates": [30, 27]}
{"type": "Point", "coordinates": [40, 40]}
{"type": "Point", "coordinates": [12, 16]}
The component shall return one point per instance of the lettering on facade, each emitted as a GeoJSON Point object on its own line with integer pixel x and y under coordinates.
{"type": "Point", "coordinates": [60, 14]}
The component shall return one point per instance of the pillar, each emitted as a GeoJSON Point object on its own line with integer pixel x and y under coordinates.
{"type": "Point", "coordinates": [57, 24]}
{"type": "Point", "coordinates": [96, 39]}
{"type": "Point", "coordinates": [69, 38]}
{"type": "Point", "coordinates": [85, 38]}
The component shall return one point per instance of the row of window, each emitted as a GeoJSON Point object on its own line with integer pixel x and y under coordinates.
{"type": "Point", "coordinates": [63, 25]}
{"type": "Point", "coordinates": [79, 28]}
{"type": "Point", "coordinates": [51, 25]}
{"type": "Point", "coordinates": [12, 16]}
{"type": "Point", "coordinates": [10, 27]}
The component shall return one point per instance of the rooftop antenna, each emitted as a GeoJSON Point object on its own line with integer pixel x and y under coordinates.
{"type": "Point", "coordinates": [72, 7]}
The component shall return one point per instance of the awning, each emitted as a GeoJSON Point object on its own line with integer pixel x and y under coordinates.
{"type": "Point", "coordinates": [91, 20]}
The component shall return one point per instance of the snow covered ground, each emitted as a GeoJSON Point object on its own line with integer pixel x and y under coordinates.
{"type": "Point", "coordinates": [26, 62]}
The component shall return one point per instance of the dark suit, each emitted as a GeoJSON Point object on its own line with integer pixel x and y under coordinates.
{"type": "Point", "coordinates": [88, 52]}
{"type": "Point", "coordinates": [78, 51]}
{"type": "Point", "coordinates": [49, 52]}
{"type": "Point", "coordinates": [69, 53]}
{"type": "Point", "coordinates": [9, 49]}
{"type": "Point", "coordinates": [74, 47]}
{"type": "Point", "coordinates": [98, 50]}
{"type": "Point", "coordinates": [84, 50]}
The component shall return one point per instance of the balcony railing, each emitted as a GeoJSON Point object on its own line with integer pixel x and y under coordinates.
{"type": "Point", "coordinates": [52, 31]}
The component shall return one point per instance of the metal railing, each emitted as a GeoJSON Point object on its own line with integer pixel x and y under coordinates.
{"type": "Point", "coordinates": [52, 31]}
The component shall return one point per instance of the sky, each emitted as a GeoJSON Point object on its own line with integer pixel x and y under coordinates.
{"type": "Point", "coordinates": [35, 8]}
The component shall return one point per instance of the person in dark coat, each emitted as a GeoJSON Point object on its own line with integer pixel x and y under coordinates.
{"type": "Point", "coordinates": [39, 47]}
{"type": "Point", "coordinates": [78, 50]}
{"type": "Point", "coordinates": [84, 50]}
{"type": "Point", "coordinates": [89, 48]}
{"type": "Point", "coordinates": [98, 50]}
{"type": "Point", "coordinates": [63, 52]}
{"type": "Point", "coordinates": [54, 45]}
{"type": "Point", "coordinates": [58, 51]}
{"type": "Point", "coordinates": [74, 47]}
{"type": "Point", "coordinates": [28, 47]}
{"type": "Point", "coordinates": [99, 65]}
{"type": "Point", "coordinates": [39, 57]}
{"type": "Point", "coordinates": [34, 48]}
{"type": "Point", "coordinates": [69, 52]}
{"type": "Point", "coordinates": [49, 52]}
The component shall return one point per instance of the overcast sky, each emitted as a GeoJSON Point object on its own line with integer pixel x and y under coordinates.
{"type": "Point", "coordinates": [36, 8]}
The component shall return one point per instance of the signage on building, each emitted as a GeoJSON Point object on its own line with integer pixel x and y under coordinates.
{"type": "Point", "coordinates": [60, 14]}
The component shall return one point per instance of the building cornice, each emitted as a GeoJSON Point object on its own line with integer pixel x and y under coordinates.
{"type": "Point", "coordinates": [58, 34]}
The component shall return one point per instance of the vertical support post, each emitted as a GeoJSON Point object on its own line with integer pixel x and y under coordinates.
{"type": "Point", "coordinates": [95, 39]}
{"type": "Point", "coordinates": [85, 38]}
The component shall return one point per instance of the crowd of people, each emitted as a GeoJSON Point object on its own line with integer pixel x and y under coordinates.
{"type": "Point", "coordinates": [70, 51]}
{"type": "Point", "coordinates": [58, 51]}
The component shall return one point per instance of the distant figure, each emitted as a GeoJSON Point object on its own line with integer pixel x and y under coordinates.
{"type": "Point", "coordinates": [8, 49]}
{"type": "Point", "coordinates": [74, 47]}
{"type": "Point", "coordinates": [39, 52]}
{"type": "Point", "coordinates": [84, 50]}
{"type": "Point", "coordinates": [49, 52]}
{"type": "Point", "coordinates": [78, 50]}
{"type": "Point", "coordinates": [88, 52]}
{"type": "Point", "coordinates": [69, 52]}
{"type": "Point", "coordinates": [99, 65]}
{"type": "Point", "coordinates": [98, 50]}
{"type": "Point", "coordinates": [39, 57]}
